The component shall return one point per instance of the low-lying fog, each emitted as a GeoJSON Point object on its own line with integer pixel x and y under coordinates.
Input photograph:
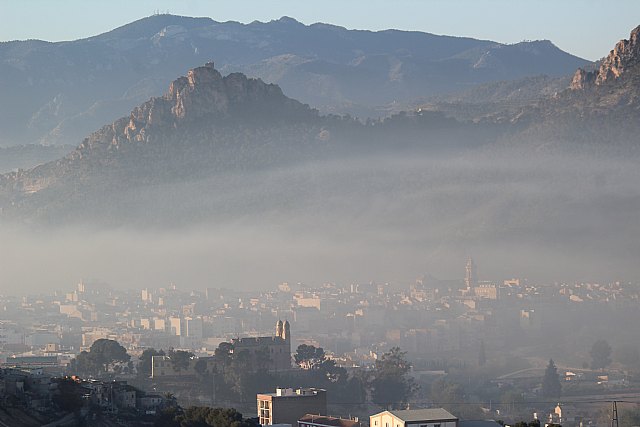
{"type": "Point", "coordinates": [388, 219]}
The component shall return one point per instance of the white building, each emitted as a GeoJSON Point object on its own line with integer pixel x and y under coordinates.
{"type": "Point", "coordinates": [438, 417]}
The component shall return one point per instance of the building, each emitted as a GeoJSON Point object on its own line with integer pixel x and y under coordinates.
{"type": "Point", "coordinates": [277, 347]}
{"type": "Point", "coordinates": [470, 276]}
{"type": "Point", "coordinates": [175, 326]}
{"type": "Point", "coordinates": [437, 417]}
{"type": "Point", "coordinates": [487, 290]}
{"type": "Point", "coordinates": [194, 327]}
{"type": "Point", "coordinates": [287, 406]}
{"type": "Point", "coordinates": [311, 420]}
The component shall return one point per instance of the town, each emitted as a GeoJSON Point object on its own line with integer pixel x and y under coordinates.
{"type": "Point", "coordinates": [432, 352]}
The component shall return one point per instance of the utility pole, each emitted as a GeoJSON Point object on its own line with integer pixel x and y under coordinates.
{"type": "Point", "coordinates": [213, 392]}
{"type": "Point", "coordinates": [614, 414]}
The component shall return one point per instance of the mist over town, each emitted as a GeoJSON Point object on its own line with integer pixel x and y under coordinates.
{"type": "Point", "coordinates": [211, 222]}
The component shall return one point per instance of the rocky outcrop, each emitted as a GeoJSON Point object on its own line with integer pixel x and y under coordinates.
{"type": "Point", "coordinates": [624, 56]}
{"type": "Point", "coordinates": [202, 94]}
{"type": "Point", "coordinates": [582, 80]}
{"type": "Point", "coordinates": [182, 123]}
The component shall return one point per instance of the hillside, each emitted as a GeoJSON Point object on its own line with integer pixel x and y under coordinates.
{"type": "Point", "coordinates": [601, 107]}
{"type": "Point", "coordinates": [209, 126]}
{"type": "Point", "coordinates": [59, 92]}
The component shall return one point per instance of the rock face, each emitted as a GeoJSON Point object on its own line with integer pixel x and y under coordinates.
{"type": "Point", "coordinates": [582, 80]}
{"type": "Point", "coordinates": [202, 94]}
{"type": "Point", "coordinates": [624, 56]}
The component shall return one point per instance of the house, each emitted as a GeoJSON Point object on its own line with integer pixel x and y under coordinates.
{"type": "Point", "coordinates": [287, 406]}
{"type": "Point", "coordinates": [125, 396]}
{"type": "Point", "coordinates": [150, 403]}
{"type": "Point", "coordinates": [310, 420]}
{"type": "Point", "coordinates": [437, 417]}
{"type": "Point", "coordinates": [564, 414]}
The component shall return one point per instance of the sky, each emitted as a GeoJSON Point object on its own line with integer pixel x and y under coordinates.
{"type": "Point", "coordinates": [586, 28]}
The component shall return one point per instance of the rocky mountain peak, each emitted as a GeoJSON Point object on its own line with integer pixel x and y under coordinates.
{"type": "Point", "coordinates": [202, 96]}
{"type": "Point", "coordinates": [204, 92]}
{"type": "Point", "coordinates": [625, 55]}
{"type": "Point", "coordinates": [200, 91]}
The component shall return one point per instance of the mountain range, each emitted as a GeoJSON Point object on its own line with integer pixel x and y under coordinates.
{"type": "Point", "coordinates": [56, 93]}
{"type": "Point", "coordinates": [208, 124]}
{"type": "Point", "coordinates": [553, 180]}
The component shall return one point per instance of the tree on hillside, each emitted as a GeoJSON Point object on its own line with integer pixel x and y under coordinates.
{"type": "Point", "coordinates": [451, 396]}
{"type": "Point", "coordinates": [103, 355]}
{"type": "Point", "coordinates": [238, 372]}
{"type": "Point", "coordinates": [551, 386]}
{"type": "Point", "coordinates": [200, 416]}
{"type": "Point", "coordinates": [180, 359]}
{"type": "Point", "coordinates": [600, 354]}
{"type": "Point", "coordinates": [197, 416]}
{"type": "Point", "coordinates": [309, 357]}
{"type": "Point", "coordinates": [144, 365]}
{"type": "Point", "coordinates": [392, 385]}
{"type": "Point", "coordinates": [109, 352]}
{"type": "Point", "coordinates": [223, 354]}
{"type": "Point", "coordinates": [446, 394]}
{"type": "Point", "coordinates": [68, 395]}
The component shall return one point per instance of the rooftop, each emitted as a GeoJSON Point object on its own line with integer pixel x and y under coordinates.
{"type": "Point", "coordinates": [424, 414]}
{"type": "Point", "coordinates": [329, 421]}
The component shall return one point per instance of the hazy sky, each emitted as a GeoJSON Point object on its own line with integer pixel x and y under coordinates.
{"type": "Point", "coordinates": [587, 28]}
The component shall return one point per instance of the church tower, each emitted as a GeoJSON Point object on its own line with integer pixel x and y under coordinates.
{"type": "Point", "coordinates": [286, 334]}
{"type": "Point", "coordinates": [279, 329]}
{"type": "Point", "coordinates": [470, 278]}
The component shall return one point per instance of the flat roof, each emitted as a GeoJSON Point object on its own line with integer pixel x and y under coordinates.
{"type": "Point", "coordinates": [328, 421]}
{"type": "Point", "coordinates": [434, 414]}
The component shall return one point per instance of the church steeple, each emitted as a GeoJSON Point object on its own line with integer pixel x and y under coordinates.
{"type": "Point", "coordinates": [470, 279]}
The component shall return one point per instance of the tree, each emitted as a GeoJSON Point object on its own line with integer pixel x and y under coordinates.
{"type": "Point", "coordinates": [237, 373]}
{"type": "Point", "coordinates": [144, 365]}
{"type": "Point", "coordinates": [180, 359]}
{"type": "Point", "coordinates": [447, 394]}
{"type": "Point", "coordinates": [309, 357]}
{"type": "Point", "coordinates": [600, 354]}
{"type": "Point", "coordinates": [68, 395]}
{"type": "Point", "coordinates": [392, 385]}
{"type": "Point", "coordinates": [201, 367]}
{"type": "Point", "coordinates": [196, 416]}
{"type": "Point", "coordinates": [223, 354]}
{"type": "Point", "coordinates": [108, 352]}
{"type": "Point", "coordinates": [551, 386]}
{"type": "Point", "coordinates": [103, 355]}
{"type": "Point", "coordinates": [84, 364]}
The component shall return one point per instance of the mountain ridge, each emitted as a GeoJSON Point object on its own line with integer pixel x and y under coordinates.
{"type": "Point", "coordinates": [100, 78]}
